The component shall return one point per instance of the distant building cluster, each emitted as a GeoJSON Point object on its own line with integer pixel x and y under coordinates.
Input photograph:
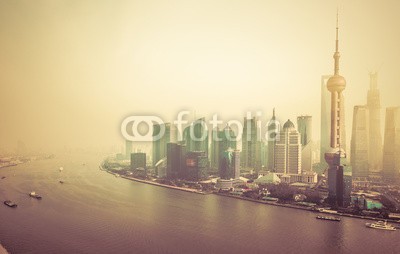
{"type": "Point", "coordinates": [289, 154]}
{"type": "Point", "coordinates": [370, 157]}
{"type": "Point", "coordinates": [195, 159]}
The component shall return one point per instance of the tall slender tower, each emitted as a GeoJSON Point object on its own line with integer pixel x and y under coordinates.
{"type": "Point", "coordinates": [160, 144]}
{"type": "Point", "coordinates": [375, 136]}
{"type": "Point", "coordinates": [249, 144]}
{"type": "Point", "coordinates": [272, 135]}
{"type": "Point", "coordinates": [325, 120]}
{"type": "Point", "coordinates": [391, 146]}
{"type": "Point", "coordinates": [335, 156]}
{"type": "Point", "coordinates": [360, 142]}
{"type": "Point", "coordinates": [304, 126]}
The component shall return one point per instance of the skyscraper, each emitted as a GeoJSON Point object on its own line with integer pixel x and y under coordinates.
{"type": "Point", "coordinates": [273, 130]}
{"type": "Point", "coordinates": [214, 154]}
{"type": "Point", "coordinates": [391, 147]}
{"type": "Point", "coordinates": [221, 140]}
{"type": "Point", "coordinates": [336, 155]}
{"type": "Point", "coordinates": [138, 160]}
{"type": "Point", "coordinates": [251, 145]}
{"type": "Point", "coordinates": [229, 167]}
{"type": "Point", "coordinates": [375, 136]}
{"type": "Point", "coordinates": [176, 161]}
{"type": "Point", "coordinates": [304, 125]}
{"type": "Point", "coordinates": [264, 154]}
{"type": "Point", "coordinates": [196, 136]}
{"type": "Point", "coordinates": [288, 150]}
{"type": "Point", "coordinates": [236, 164]}
{"type": "Point", "coordinates": [128, 149]}
{"type": "Point", "coordinates": [196, 165]}
{"type": "Point", "coordinates": [360, 142]}
{"type": "Point", "coordinates": [160, 143]}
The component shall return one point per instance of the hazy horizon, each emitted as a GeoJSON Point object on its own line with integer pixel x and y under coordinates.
{"type": "Point", "coordinates": [71, 71]}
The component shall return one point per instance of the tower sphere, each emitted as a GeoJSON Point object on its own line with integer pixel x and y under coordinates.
{"type": "Point", "coordinates": [336, 83]}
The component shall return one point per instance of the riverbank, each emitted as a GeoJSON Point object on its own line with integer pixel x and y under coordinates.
{"type": "Point", "coordinates": [165, 185]}
{"type": "Point", "coordinates": [308, 209]}
{"type": "Point", "coordinates": [157, 184]}
{"type": "Point", "coordinates": [274, 203]}
{"type": "Point", "coordinates": [253, 200]}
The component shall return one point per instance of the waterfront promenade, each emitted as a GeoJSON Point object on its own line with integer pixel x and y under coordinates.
{"type": "Point", "coordinates": [274, 203]}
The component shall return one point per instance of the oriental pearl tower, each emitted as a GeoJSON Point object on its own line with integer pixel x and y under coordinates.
{"type": "Point", "coordinates": [336, 154]}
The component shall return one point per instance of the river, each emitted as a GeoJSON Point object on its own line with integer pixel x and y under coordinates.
{"type": "Point", "coordinates": [95, 212]}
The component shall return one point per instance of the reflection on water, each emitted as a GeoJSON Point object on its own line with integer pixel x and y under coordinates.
{"type": "Point", "coordinates": [95, 212]}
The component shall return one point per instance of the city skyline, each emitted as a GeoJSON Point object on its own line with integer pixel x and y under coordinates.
{"type": "Point", "coordinates": [187, 126]}
{"type": "Point", "coordinates": [244, 60]}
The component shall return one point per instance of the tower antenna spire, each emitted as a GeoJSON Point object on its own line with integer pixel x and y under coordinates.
{"type": "Point", "coordinates": [336, 56]}
{"type": "Point", "coordinates": [337, 29]}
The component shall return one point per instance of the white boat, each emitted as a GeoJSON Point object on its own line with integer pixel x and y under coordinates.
{"type": "Point", "coordinates": [331, 218]}
{"type": "Point", "coordinates": [61, 168]}
{"type": "Point", "coordinates": [381, 225]}
{"type": "Point", "coordinates": [34, 195]}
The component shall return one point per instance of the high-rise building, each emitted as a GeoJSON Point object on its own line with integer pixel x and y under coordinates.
{"type": "Point", "coordinates": [347, 186]}
{"type": "Point", "coordinates": [288, 150]}
{"type": "Point", "coordinates": [391, 146]}
{"type": "Point", "coordinates": [128, 149]}
{"type": "Point", "coordinates": [138, 160]}
{"type": "Point", "coordinates": [360, 142]}
{"type": "Point", "coordinates": [229, 167]}
{"type": "Point", "coordinates": [176, 161]}
{"type": "Point", "coordinates": [251, 145]}
{"type": "Point", "coordinates": [221, 140]}
{"type": "Point", "coordinates": [225, 166]}
{"type": "Point", "coordinates": [336, 156]}
{"type": "Point", "coordinates": [196, 136]}
{"type": "Point", "coordinates": [196, 166]}
{"type": "Point", "coordinates": [214, 154]}
{"type": "Point", "coordinates": [160, 143]}
{"type": "Point", "coordinates": [236, 164]}
{"type": "Point", "coordinates": [264, 154]}
{"type": "Point", "coordinates": [273, 130]}
{"type": "Point", "coordinates": [304, 125]}
{"type": "Point", "coordinates": [375, 136]}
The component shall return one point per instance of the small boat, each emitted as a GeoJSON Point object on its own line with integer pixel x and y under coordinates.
{"type": "Point", "coordinates": [3, 177]}
{"type": "Point", "coordinates": [61, 181]}
{"type": "Point", "coordinates": [9, 203]}
{"type": "Point", "coordinates": [331, 218]}
{"type": "Point", "coordinates": [61, 169]}
{"type": "Point", "coordinates": [34, 195]}
{"type": "Point", "coordinates": [381, 225]}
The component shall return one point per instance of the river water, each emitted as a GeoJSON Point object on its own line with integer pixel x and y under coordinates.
{"type": "Point", "coordinates": [95, 212]}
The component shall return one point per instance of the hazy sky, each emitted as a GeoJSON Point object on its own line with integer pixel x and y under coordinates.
{"type": "Point", "coordinates": [70, 71]}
